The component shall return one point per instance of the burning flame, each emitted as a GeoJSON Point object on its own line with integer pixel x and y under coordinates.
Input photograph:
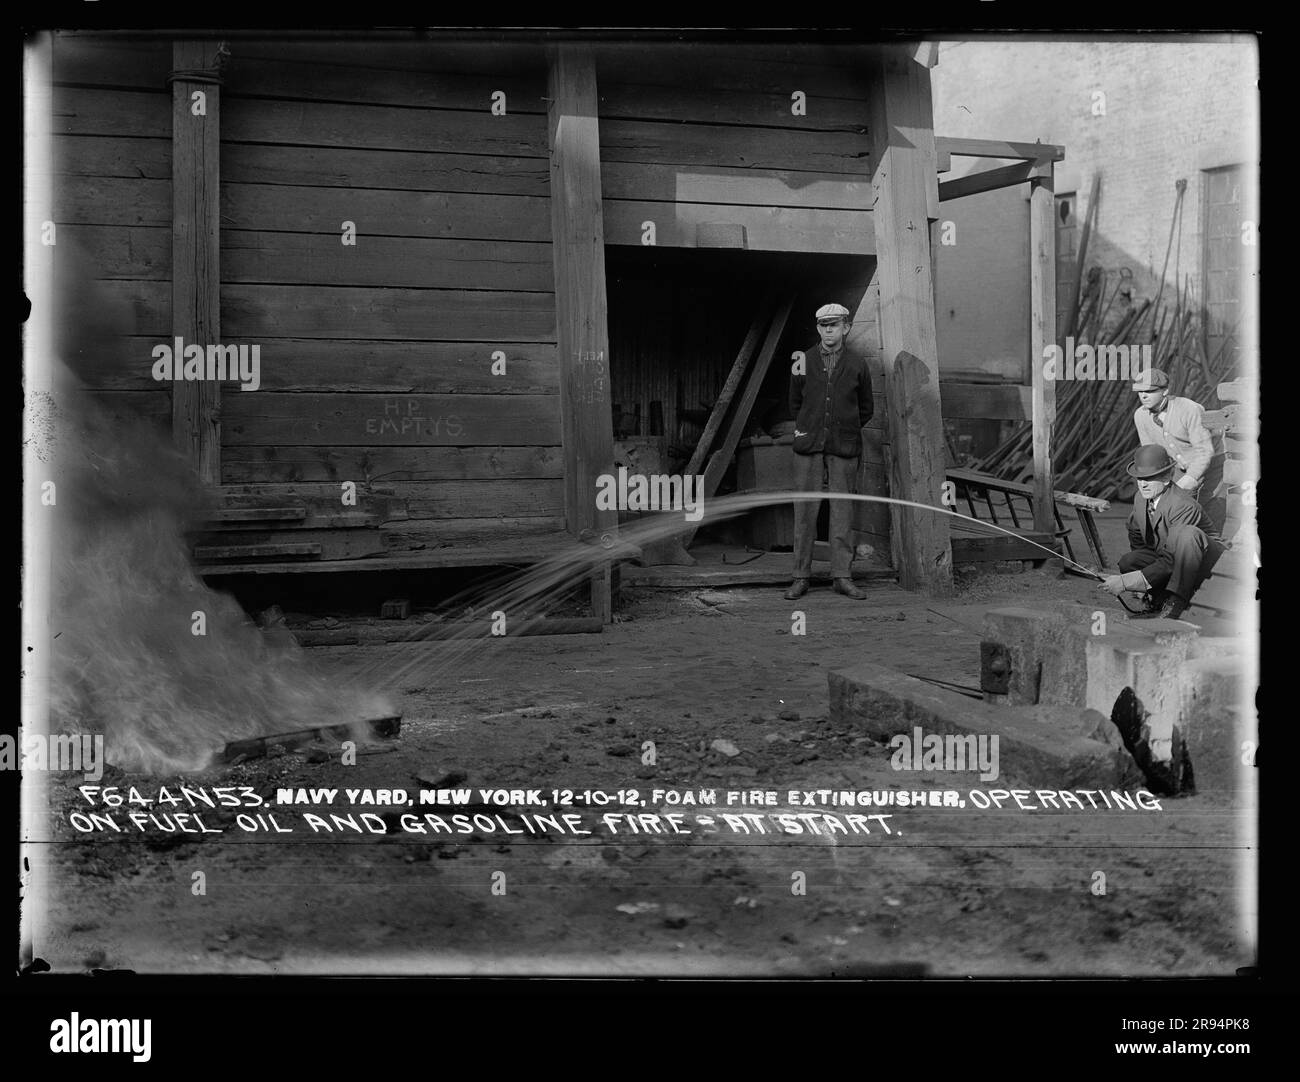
{"type": "Point", "coordinates": [167, 669]}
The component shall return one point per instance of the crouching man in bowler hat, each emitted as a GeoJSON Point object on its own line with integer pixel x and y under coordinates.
{"type": "Point", "coordinates": [1172, 550]}
{"type": "Point", "coordinates": [831, 404]}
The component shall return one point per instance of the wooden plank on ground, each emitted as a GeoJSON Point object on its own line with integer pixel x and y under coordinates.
{"type": "Point", "coordinates": [448, 630]}
{"type": "Point", "coordinates": [283, 550]}
{"type": "Point", "coordinates": [670, 577]}
{"type": "Point", "coordinates": [352, 419]}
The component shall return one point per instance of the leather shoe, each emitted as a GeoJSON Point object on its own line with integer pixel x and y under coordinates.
{"type": "Point", "coordinates": [1171, 608]}
{"type": "Point", "coordinates": [846, 587]}
{"type": "Point", "coordinates": [797, 589]}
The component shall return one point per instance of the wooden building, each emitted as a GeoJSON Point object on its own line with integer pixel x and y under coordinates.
{"type": "Point", "coordinates": [456, 258]}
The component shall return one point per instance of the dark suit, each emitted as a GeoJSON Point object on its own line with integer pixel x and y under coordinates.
{"type": "Point", "coordinates": [1173, 550]}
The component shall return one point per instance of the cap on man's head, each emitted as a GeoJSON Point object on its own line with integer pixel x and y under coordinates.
{"type": "Point", "coordinates": [1153, 380]}
{"type": "Point", "coordinates": [829, 313]}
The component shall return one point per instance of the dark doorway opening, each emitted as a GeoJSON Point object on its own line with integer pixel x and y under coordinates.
{"type": "Point", "coordinates": [677, 319]}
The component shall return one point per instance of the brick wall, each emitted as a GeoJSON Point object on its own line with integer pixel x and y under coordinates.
{"type": "Point", "coordinates": [1171, 111]}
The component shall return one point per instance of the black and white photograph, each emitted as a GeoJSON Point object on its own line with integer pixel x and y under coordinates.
{"type": "Point", "coordinates": [630, 504]}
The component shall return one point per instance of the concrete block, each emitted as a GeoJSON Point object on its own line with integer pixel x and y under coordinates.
{"type": "Point", "coordinates": [1211, 701]}
{"type": "Point", "coordinates": [1046, 649]}
{"type": "Point", "coordinates": [1048, 746]}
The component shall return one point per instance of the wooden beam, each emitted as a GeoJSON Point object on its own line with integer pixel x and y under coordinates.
{"type": "Point", "coordinates": [1042, 333]}
{"type": "Point", "coordinates": [196, 271]}
{"type": "Point", "coordinates": [582, 320]}
{"type": "Point", "coordinates": [988, 181]}
{"type": "Point", "coordinates": [721, 458]}
{"type": "Point", "coordinates": [996, 148]}
{"type": "Point", "coordinates": [905, 184]}
{"type": "Point", "coordinates": [731, 385]}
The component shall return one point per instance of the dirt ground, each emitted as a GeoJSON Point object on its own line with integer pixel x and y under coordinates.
{"type": "Point", "coordinates": [947, 893]}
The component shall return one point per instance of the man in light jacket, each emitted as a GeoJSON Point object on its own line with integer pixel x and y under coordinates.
{"type": "Point", "coordinates": [1178, 425]}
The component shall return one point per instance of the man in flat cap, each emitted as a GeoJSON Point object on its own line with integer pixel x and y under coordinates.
{"type": "Point", "coordinates": [1178, 425]}
{"type": "Point", "coordinates": [1172, 551]}
{"type": "Point", "coordinates": [831, 403]}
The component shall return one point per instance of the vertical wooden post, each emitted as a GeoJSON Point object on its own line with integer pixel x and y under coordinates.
{"type": "Point", "coordinates": [905, 185]}
{"type": "Point", "coordinates": [1042, 333]}
{"type": "Point", "coordinates": [582, 324]}
{"type": "Point", "coordinates": [196, 275]}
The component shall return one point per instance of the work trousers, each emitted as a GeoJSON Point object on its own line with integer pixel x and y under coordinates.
{"type": "Point", "coordinates": [1212, 495]}
{"type": "Point", "coordinates": [1179, 565]}
{"type": "Point", "coordinates": [841, 474]}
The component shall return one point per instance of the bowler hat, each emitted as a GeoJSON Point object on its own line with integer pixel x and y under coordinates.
{"type": "Point", "coordinates": [1150, 461]}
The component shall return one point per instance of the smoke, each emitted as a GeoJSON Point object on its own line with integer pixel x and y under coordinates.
{"type": "Point", "coordinates": [143, 652]}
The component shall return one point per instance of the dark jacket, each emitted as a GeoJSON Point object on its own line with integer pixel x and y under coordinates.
{"type": "Point", "coordinates": [829, 415]}
{"type": "Point", "coordinates": [1174, 507]}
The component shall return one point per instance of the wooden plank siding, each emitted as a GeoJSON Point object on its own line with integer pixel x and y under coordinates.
{"type": "Point", "coordinates": [111, 199]}
{"type": "Point", "coordinates": [377, 357]}
{"type": "Point", "coordinates": [718, 145]}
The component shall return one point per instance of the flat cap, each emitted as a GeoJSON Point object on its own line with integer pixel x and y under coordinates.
{"type": "Point", "coordinates": [832, 311]}
{"type": "Point", "coordinates": [1153, 380]}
